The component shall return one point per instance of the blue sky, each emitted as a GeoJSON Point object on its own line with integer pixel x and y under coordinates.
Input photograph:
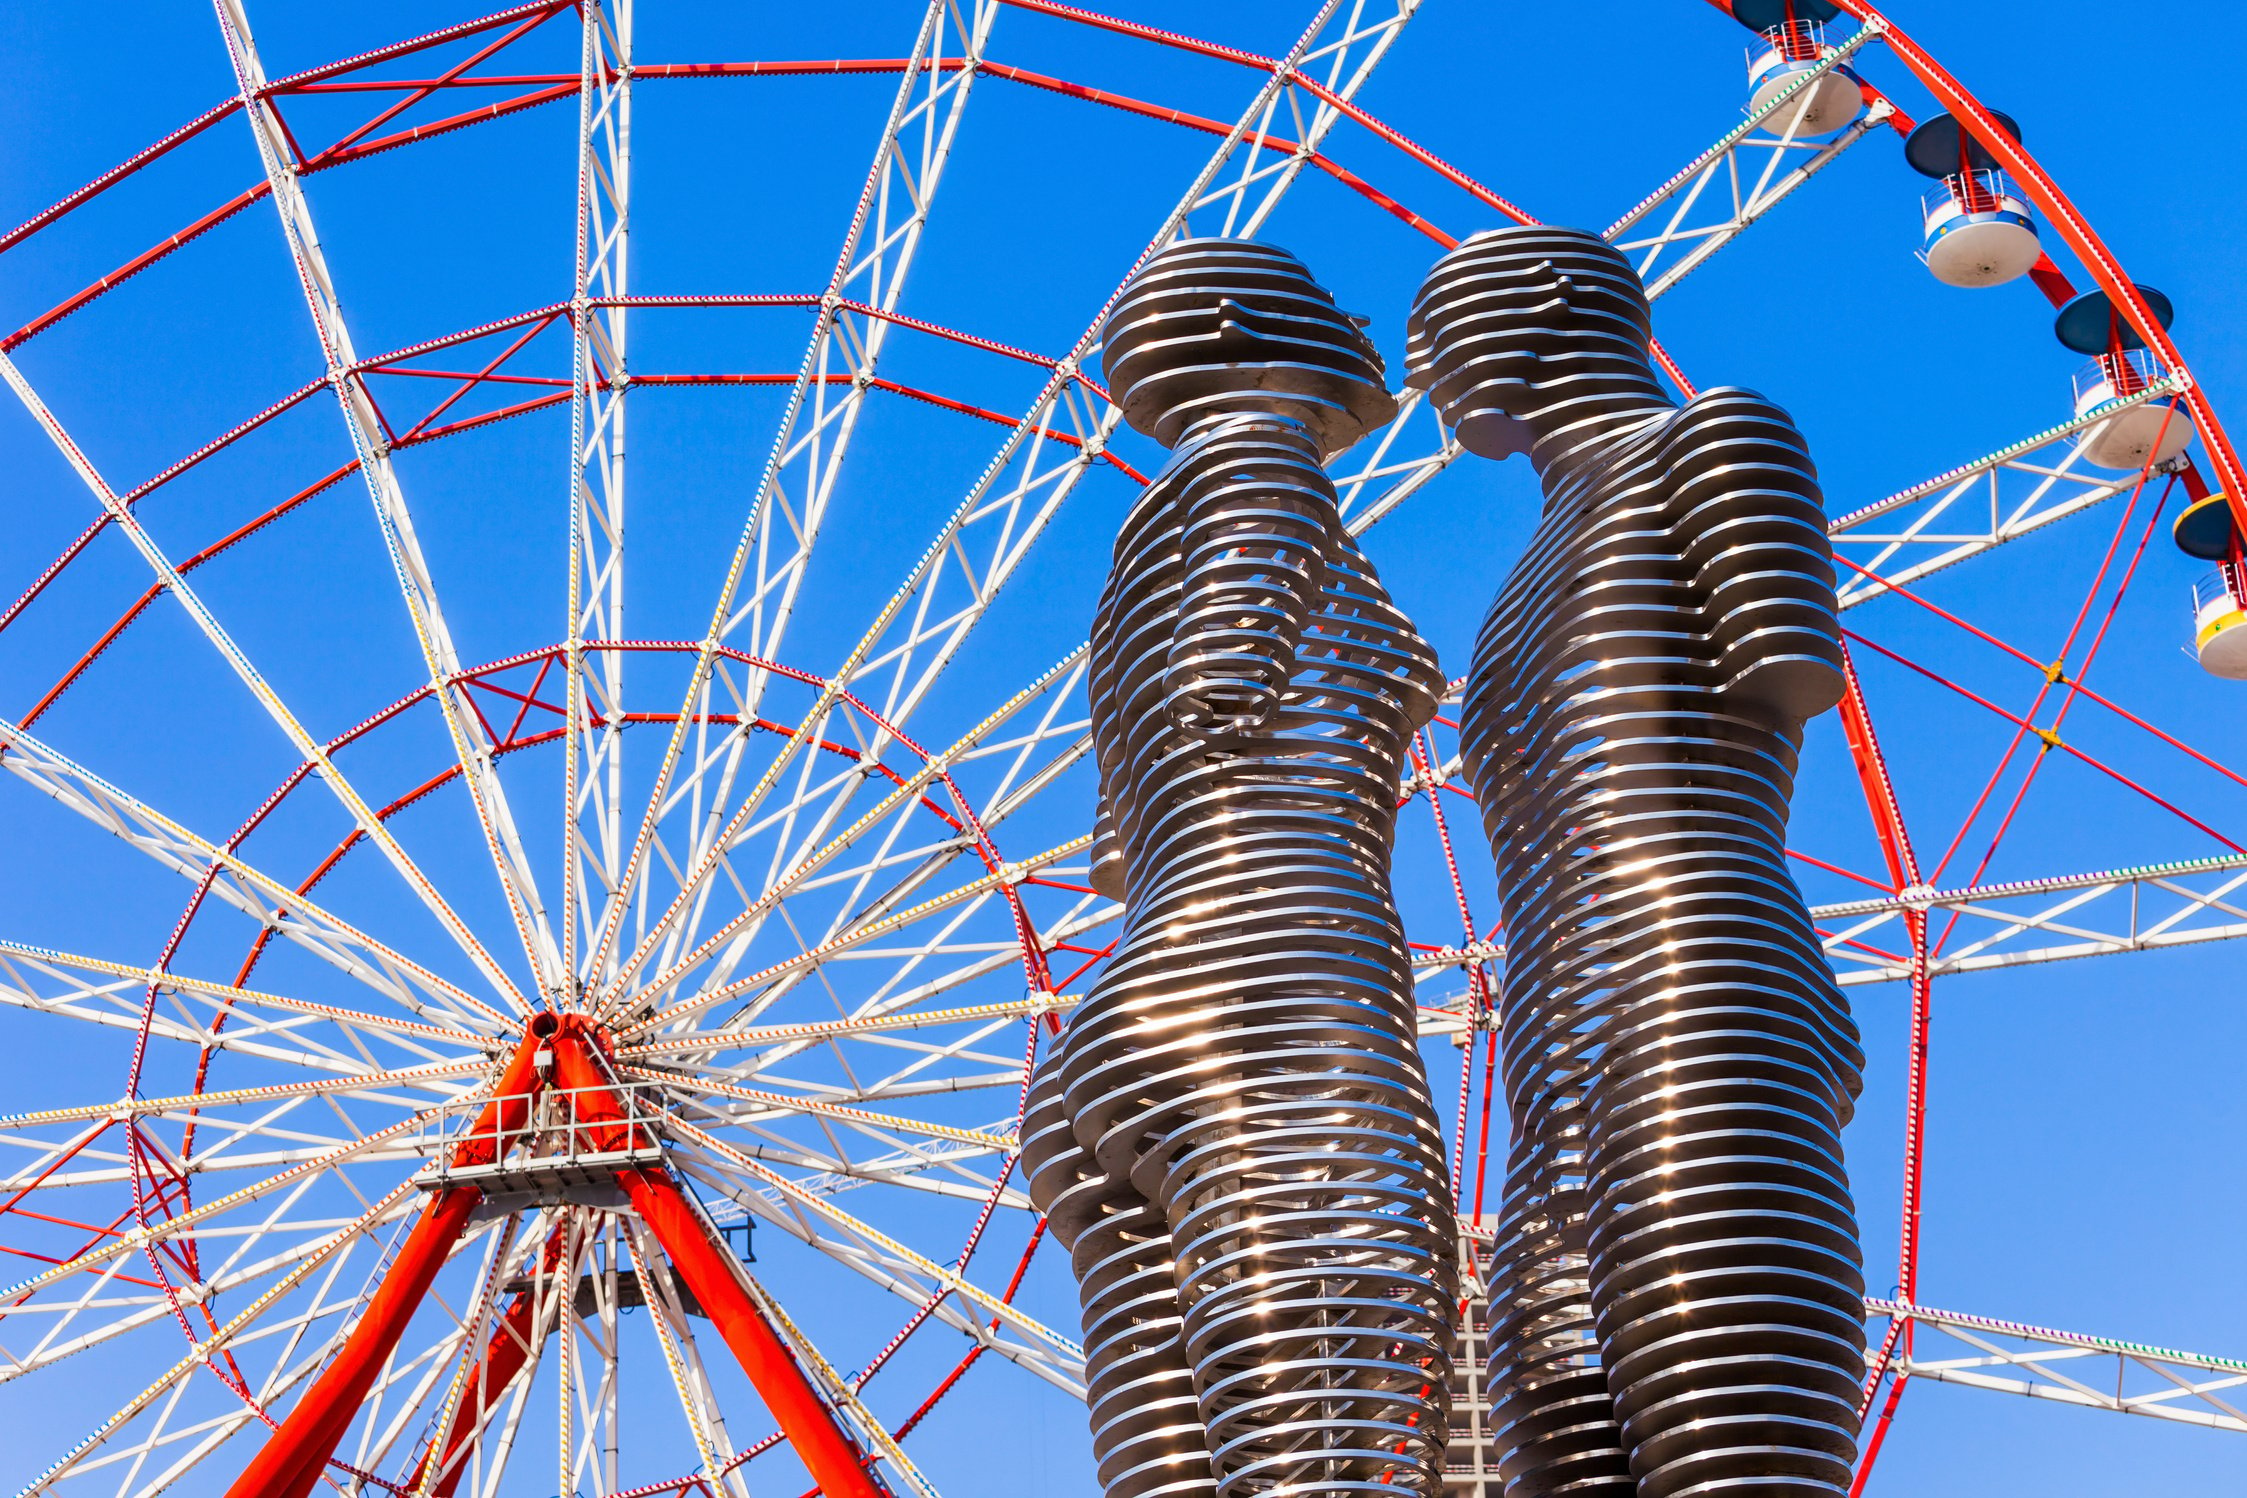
{"type": "Point", "coordinates": [2077, 1170]}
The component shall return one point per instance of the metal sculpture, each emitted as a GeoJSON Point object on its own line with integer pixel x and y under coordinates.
{"type": "Point", "coordinates": [1677, 1301]}
{"type": "Point", "coordinates": [1234, 1135]}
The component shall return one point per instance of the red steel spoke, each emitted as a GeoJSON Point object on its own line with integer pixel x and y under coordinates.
{"type": "Point", "coordinates": [422, 43]}
{"type": "Point", "coordinates": [522, 28]}
{"type": "Point", "coordinates": [2051, 676]}
{"type": "Point", "coordinates": [2067, 702]}
{"type": "Point", "coordinates": [2092, 760]}
{"type": "Point", "coordinates": [2029, 660]}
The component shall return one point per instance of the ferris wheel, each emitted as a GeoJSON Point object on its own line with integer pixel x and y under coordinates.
{"type": "Point", "coordinates": [551, 1015]}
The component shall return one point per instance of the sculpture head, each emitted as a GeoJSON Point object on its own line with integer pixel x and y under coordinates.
{"type": "Point", "coordinates": [1219, 326]}
{"type": "Point", "coordinates": [1526, 330]}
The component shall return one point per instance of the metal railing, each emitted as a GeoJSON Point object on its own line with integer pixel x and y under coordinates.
{"type": "Point", "coordinates": [2112, 377]}
{"type": "Point", "coordinates": [559, 1128]}
{"type": "Point", "coordinates": [1793, 41]}
{"type": "Point", "coordinates": [1971, 192]}
{"type": "Point", "coordinates": [2212, 595]}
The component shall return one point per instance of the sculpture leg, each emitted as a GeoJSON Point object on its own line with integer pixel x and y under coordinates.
{"type": "Point", "coordinates": [1319, 1283]}
{"type": "Point", "coordinates": [1147, 1437]}
{"type": "Point", "coordinates": [1553, 1419]}
{"type": "Point", "coordinates": [1725, 1270]}
{"type": "Point", "coordinates": [1249, 1065]}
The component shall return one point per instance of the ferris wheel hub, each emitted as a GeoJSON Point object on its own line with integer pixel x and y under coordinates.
{"type": "Point", "coordinates": [526, 1142]}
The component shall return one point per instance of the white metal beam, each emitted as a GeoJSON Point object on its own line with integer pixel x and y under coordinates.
{"type": "Point", "coordinates": [441, 661]}
{"type": "Point", "coordinates": [1979, 506]}
{"type": "Point", "coordinates": [593, 766]}
{"type": "Point", "coordinates": [2100, 1373]}
{"type": "Point", "coordinates": [789, 506]}
{"type": "Point", "coordinates": [1700, 223]}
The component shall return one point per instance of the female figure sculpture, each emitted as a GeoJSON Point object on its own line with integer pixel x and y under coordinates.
{"type": "Point", "coordinates": [1677, 1298]}
{"type": "Point", "coordinates": [1234, 1135]}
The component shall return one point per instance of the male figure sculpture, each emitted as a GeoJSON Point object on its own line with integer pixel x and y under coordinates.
{"type": "Point", "coordinates": [1676, 1303]}
{"type": "Point", "coordinates": [1234, 1135]}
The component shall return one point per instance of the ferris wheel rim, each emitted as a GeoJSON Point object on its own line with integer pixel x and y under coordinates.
{"type": "Point", "coordinates": [2194, 396]}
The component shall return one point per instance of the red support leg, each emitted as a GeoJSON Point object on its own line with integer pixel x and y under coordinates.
{"type": "Point", "coordinates": [713, 1278]}
{"type": "Point", "coordinates": [1903, 868]}
{"type": "Point", "coordinates": [709, 1273]}
{"type": "Point", "coordinates": [295, 1454]}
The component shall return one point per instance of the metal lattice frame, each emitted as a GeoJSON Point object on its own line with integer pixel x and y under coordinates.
{"type": "Point", "coordinates": [763, 868]}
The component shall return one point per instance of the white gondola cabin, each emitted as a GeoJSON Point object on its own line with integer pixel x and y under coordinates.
{"type": "Point", "coordinates": [1788, 53]}
{"type": "Point", "coordinates": [2140, 431]}
{"type": "Point", "coordinates": [2207, 531]}
{"type": "Point", "coordinates": [1976, 227]}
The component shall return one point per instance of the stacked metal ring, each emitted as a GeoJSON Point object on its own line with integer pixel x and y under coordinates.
{"type": "Point", "coordinates": [1245, 1076]}
{"type": "Point", "coordinates": [1677, 1301]}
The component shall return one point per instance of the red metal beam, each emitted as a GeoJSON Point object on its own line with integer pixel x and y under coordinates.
{"type": "Point", "coordinates": [352, 148]}
{"type": "Point", "coordinates": [712, 1276]}
{"type": "Point", "coordinates": [293, 1458]}
{"type": "Point", "coordinates": [120, 172]}
{"type": "Point", "coordinates": [2076, 230]}
{"type": "Point", "coordinates": [227, 210]}
{"type": "Point", "coordinates": [417, 44]}
{"type": "Point", "coordinates": [1903, 868]}
{"type": "Point", "coordinates": [1145, 33]}
{"type": "Point", "coordinates": [450, 75]}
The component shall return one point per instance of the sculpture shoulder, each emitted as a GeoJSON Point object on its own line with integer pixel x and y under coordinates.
{"type": "Point", "coordinates": [1730, 424]}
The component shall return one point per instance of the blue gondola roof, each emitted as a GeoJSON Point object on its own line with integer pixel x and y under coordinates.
{"type": "Point", "coordinates": [2083, 324]}
{"type": "Point", "coordinates": [1932, 149]}
{"type": "Point", "coordinates": [2204, 530]}
{"type": "Point", "coordinates": [1762, 15]}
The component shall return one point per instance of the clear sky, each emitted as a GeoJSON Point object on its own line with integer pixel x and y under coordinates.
{"type": "Point", "coordinates": [2082, 1167]}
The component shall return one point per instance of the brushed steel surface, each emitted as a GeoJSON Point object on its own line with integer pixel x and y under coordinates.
{"type": "Point", "coordinates": [1234, 1135]}
{"type": "Point", "coordinates": [1676, 1299]}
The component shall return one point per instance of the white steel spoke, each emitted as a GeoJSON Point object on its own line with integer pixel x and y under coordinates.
{"type": "Point", "coordinates": [1979, 506]}
{"type": "Point", "coordinates": [791, 499]}
{"type": "Point", "coordinates": [838, 1390]}
{"type": "Point", "coordinates": [168, 576]}
{"type": "Point", "coordinates": [239, 884]}
{"type": "Point", "coordinates": [593, 768]}
{"type": "Point", "coordinates": [901, 798]}
{"type": "Point", "coordinates": [191, 1105]}
{"type": "Point", "coordinates": [471, 749]}
{"type": "Point", "coordinates": [18, 960]}
{"type": "Point", "coordinates": [747, 1036]}
{"type": "Point", "coordinates": [2046, 920]}
{"type": "Point", "coordinates": [2100, 1373]}
{"type": "Point", "coordinates": [2000, 925]}
{"type": "Point", "coordinates": [785, 1104]}
{"type": "Point", "coordinates": [856, 935]}
{"type": "Point", "coordinates": [921, 628]}
{"type": "Point", "coordinates": [383, 1211]}
{"type": "Point", "coordinates": [314, 1165]}
{"type": "Point", "coordinates": [1702, 222]}
{"type": "Point", "coordinates": [799, 1210]}
{"type": "Point", "coordinates": [926, 1267]}
{"type": "Point", "coordinates": [705, 1424]}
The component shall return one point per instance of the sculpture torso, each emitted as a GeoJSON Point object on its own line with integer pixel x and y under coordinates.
{"type": "Point", "coordinates": [1308, 795]}
{"type": "Point", "coordinates": [1640, 683]}
{"type": "Point", "coordinates": [1678, 1059]}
